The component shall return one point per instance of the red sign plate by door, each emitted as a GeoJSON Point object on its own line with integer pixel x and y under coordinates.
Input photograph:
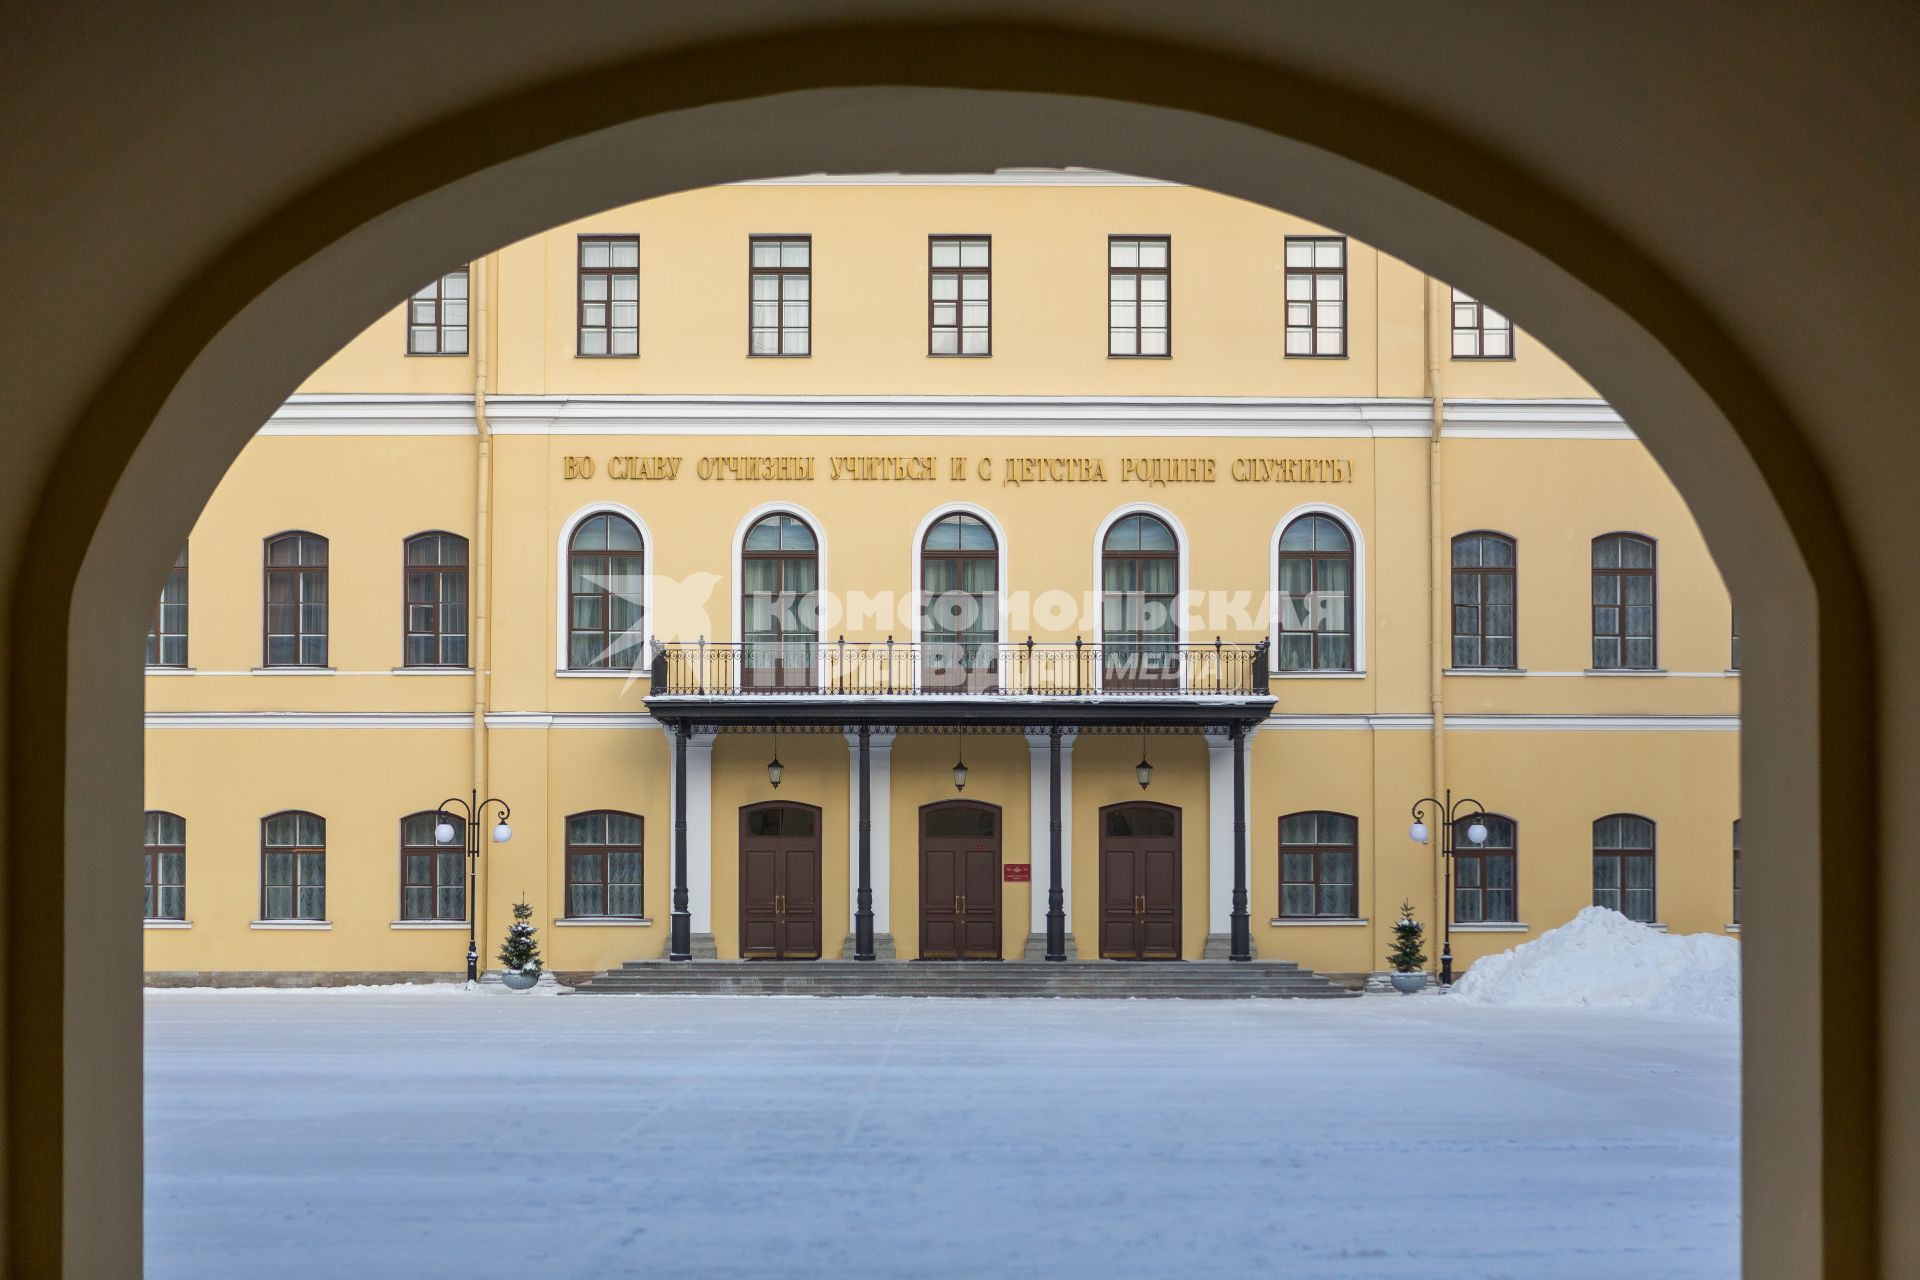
{"type": "Point", "coordinates": [1019, 872]}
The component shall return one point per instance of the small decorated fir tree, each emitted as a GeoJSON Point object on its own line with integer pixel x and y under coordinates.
{"type": "Point", "coordinates": [520, 952]}
{"type": "Point", "coordinates": [1406, 956]}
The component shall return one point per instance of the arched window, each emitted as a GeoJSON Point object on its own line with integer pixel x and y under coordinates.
{"type": "Point", "coordinates": [293, 866]}
{"type": "Point", "coordinates": [606, 594]}
{"type": "Point", "coordinates": [1623, 865]}
{"type": "Point", "coordinates": [1319, 865]}
{"type": "Point", "coordinates": [433, 884]}
{"type": "Point", "coordinates": [604, 865]}
{"type": "Point", "coordinates": [779, 603]}
{"type": "Point", "coordinates": [436, 615]}
{"type": "Point", "coordinates": [1623, 603]}
{"type": "Point", "coordinates": [167, 633]}
{"type": "Point", "coordinates": [166, 855]}
{"type": "Point", "coordinates": [1315, 601]}
{"type": "Point", "coordinates": [959, 603]}
{"type": "Point", "coordinates": [1485, 884]}
{"type": "Point", "coordinates": [1484, 596]}
{"type": "Point", "coordinates": [1140, 589]}
{"type": "Point", "coordinates": [296, 600]}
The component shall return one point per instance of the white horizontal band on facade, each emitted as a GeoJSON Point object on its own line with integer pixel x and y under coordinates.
{"type": "Point", "coordinates": [1517, 723]}
{"type": "Point", "coordinates": [1010, 417]}
{"type": "Point", "coordinates": [633, 720]}
{"type": "Point", "coordinates": [1069, 176]}
{"type": "Point", "coordinates": [373, 415]}
{"type": "Point", "coordinates": [309, 720]}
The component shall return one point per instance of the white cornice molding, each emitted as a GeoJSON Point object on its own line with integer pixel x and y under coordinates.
{"type": "Point", "coordinates": [309, 720]}
{"type": "Point", "coordinates": [1012, 417]}
{"type": "Point", "coordinates": [1510, 723]}
{"type": "Point", "coordinates": [1012, 177]}
{"type": "Point", "coordinates": [570, 720]}
{"type": "Point", "coordinates": [1563, 419]}
{"type": "Point", "coordinates": [1501, 723]}
{"type": "Point", "coordinates": [373, 415]}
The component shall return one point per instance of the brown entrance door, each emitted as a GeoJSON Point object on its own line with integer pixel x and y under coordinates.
{"type": "Point", "coordinates": [1140, 882]}
{"type": "Point", "coordinates": [959, 881]}
{"type": "Point", "coordinates": [780, 882]}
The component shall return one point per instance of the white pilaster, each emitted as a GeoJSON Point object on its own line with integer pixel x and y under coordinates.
{"type": "Point", "coordinates": [1219, 832]}
{"type": "Point", "coordinates": [699, 830]}
{"type": "Point", "coordinates": [880, 771]}
{"type": "Point", "coordinates": [1039, 816]}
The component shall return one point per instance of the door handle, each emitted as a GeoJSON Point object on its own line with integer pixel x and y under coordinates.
{"type": "Point", "coordinates": [956, 904]}
{"type": "Point", "coordinates": [963, 904]}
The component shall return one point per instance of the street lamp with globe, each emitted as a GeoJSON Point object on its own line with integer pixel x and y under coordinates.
{"type": "Point", "coordinates": [471, 811]}
{"type": "Point", "coordinates": [1448, 812]}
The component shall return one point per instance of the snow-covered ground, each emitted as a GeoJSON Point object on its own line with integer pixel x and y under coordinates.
{"type": "Point", "coordinates": [299, 1134]}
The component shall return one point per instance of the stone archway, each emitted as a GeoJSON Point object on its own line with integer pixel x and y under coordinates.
{"type": "Point", "coordinates": [138, 461]}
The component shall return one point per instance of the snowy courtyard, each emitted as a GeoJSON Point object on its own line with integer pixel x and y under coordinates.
{"type": "Point", "coordinates": [439, 1133]}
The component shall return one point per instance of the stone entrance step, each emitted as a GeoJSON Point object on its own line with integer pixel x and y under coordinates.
{"type": "Point", "coordinates": [1074, 979]}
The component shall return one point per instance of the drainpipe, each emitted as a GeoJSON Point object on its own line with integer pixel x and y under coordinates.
{"type": "Point", "coordinates": [1439, 573]}
{"type": "Point", "coordinates": [480, 562]}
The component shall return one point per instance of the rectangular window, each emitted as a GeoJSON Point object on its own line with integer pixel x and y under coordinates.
{"type": "Point", "coordinates": [296, 601]}
{"type": "Point", "coordinates": [293, 867]}
{"type": "Point", "coordinates": [1484, 889]}
{"type": "Point", "coordinates": [604, 864]}
{"type": "Point", "coordinates": [1736, 871]}
{"type": "Point", "coordinates": [433, 882]}
{"type": "Point", "coordinates": [436, 606]}
{"type": "Point", "coordinates": [1623, 866]}
{"type": "Point", "coordinates": [166, 856]}
{"type": "Point", "coordinates": [1316, 295]}
{"type": "Point", "coordinates": [1139, 296]}
{"type": "Point", "coordinates": [609, 308]}
{"type": "Point", "coordinates": [167, 633]}
{"type": "Point", "coordinates": [1623, 603]}
{"type": "Point", "coordinates": [437, 317]}
{"type": "Point", "coordinates": [1484, 609]}
{"type": "Point", "coordinates": [780, 296]}
{"type": "Point", "coordinates": [1319, 859]}
{"type": "Point", "coordinates": [959, 296]}
{"type": "Point", "coordinates": [1480, 332]}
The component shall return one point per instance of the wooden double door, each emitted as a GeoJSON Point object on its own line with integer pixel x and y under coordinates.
{"type": "Point", "coordinates": [780, 882]}
{"type": "Point", "coordinates": [959, 881]}
{"type": "Point", "coordinates": [1140, 882]}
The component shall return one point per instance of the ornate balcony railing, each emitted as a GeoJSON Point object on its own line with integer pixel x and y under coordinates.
{"type": "Point", "coordinates": [1027, 669]}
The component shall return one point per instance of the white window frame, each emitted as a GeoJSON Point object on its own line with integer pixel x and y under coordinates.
{"type": "Point", "coordinates": [562, 604]}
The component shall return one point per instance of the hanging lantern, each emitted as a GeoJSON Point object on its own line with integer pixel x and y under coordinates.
{"type": "Point", "coordinates": [774, 768]}
{"type": "Point", "coordinates": [443, 833]}
{"type": "Point", "coordinates": [1418, 832]}
{"type": "Point", "coordinates": [960, 768]}
{"type": "Point", "coordinates": [1478, 831]}
{"type": "Point", "coordinates": [1143, 771]}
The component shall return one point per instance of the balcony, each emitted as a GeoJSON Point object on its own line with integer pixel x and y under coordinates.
{"type": "Point", "coordinates": [947, 681]}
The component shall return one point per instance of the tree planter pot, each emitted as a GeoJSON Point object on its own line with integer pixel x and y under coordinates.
{"type": "Point", "coordinates": [1408, 983]}
{"type": "Point", "coordinates": [518, 981]}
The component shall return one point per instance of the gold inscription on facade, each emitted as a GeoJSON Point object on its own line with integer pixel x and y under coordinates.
{"type": "Point", "coordinates": [1167, 470]}
{"type": "Point", "coordinates": [1293, 470]}
{"type": "Point", "coordinates": [891, 467]}
{"type": "Point", "coordinates": [755, 467]}
{"type": "Point", "coordinates": [626, 466]}
{"type": "Point", "coordinates": [1015, 471]}
{"type": "Point", "coordinates": [1057, 470]}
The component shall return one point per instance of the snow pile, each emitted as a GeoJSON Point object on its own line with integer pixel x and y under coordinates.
{"type": "Point", "coordinates": [1602, 958]}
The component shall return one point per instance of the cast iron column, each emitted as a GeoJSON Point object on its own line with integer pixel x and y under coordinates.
{"type": "Point", "coordinates": [1056, 894]}
{"type": "Point", "coordinates": [680, 936]}
{"type": "Point", "coordinates": [863, 897]}
{"type": "Point", "coordinates": [1239, 926]}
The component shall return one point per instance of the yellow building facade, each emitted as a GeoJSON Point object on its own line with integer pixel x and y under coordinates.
{"type": "Point", "coordinates": [1053, 475]}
